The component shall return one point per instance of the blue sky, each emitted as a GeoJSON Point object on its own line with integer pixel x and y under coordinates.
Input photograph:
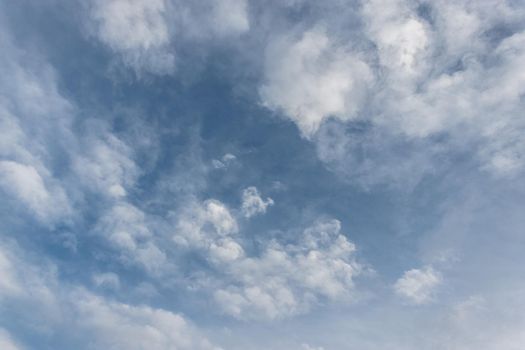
{"type": "Point", "coordinates": [236, 174]}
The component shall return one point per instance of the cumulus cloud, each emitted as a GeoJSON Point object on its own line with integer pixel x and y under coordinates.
{"type": "Point", "coordinates": [203, 224]}
{"type": "Point", "coordinates": [441, 77]}
{"type": "Point", "coordinates": [401, 37]}
{"type": "Point", "coordinates": [289, 280]}
{"type": "Point", "coordinates": [388, 92]}
{"type": "Point", "coordinates": [312, 78]}
{"type": "Point", "coordinates": [281, 280]}
{"type": "Point", "coordinates": [418, 285]}
{"type": "Point", "coordinates": [252, 203]}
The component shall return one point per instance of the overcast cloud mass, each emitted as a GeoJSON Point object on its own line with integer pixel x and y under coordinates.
{"type": "Point", "coordinates": [253, 175]}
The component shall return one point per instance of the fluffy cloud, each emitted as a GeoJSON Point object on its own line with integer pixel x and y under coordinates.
{"type": "Point", "coordinates": [252, 203]}
{"type": "Point", "coordinates": [281, 280]}
{"type": "Point", "coordinates": [401, 37]}
{"type": "Point", "coordinates": [144, 33]}
{"type": "Point", "coordinates": [203, 224]}
{"type": "Point", "coordinates": [441, 78]}
{"type": "Point", "coordinates": [312, 78]}
{"type": "Point", "coordinates": [288, 280]}
{"type": "Point", "coordinates": [418, 285]}
{"type": "Point", "coordinates": [138, 31]}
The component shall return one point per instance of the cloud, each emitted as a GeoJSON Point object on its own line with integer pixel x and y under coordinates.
{"type": "Point", "coordinates": [309, 347]}
{"type": "Point", "coordinates": [6, 342]}
{"type": "Point", "coordinates": [25, 184]}
{"type": "Point", "coordinates": [138, 31]}
{"type": "Point", "coordinates": [224, 162]}
{"type": "Point", "coordinates": [230, 16]}
{"type": "Point", "coordinates": [107, 280]}
{"type": "Point", "coordinates": [288, 280]}
{"type": "Point", "coordinates": [418, 285]}
{"type": "Point", "coordinates": [402, 38]}
{"type": "Point", "coordinates": [280, 280]}
{"type": "Point", "coordinates": [125, 228]}
{"type": "Point", "coordinates": [82, 317]}
{"type": "Point", "coordinates": [387, 93]}
{"type": "Point", "coordinates": [441, 78]}
{"type": "Point", "coordinates": [252, 203]}
{"type": "Point", "coordinates": [312, 78]}
{"type": "Point", "coordinates": [105, 165]}
{"type": "Point", "coordinates": [121, 326]}
{"type": "Point", "coordinates": [143, 34]}
{"type": "Point", "coordinates": [203, 224]}
{"type": "Point", "coordinates": [34, 118]}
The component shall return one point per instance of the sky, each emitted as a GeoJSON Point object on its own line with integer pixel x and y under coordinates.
{"type": "Point", "coordinates": [254, 175]}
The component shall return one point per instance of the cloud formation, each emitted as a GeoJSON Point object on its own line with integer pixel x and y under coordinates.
{"type": "Point", "coordinates": [311, 78]}
{"type": "Point", "coordinates": [127, 222]}
{"type": "Point", "coordinates": [79, 315]}
{"type": "Point", "coordinates": [418, 285]}
{"type": "Point", "coordinates": [138, 31]}
{"type": "Point", "coordinates": [282, 279]}
{"type": "Point", "coordinates": [252, 203]}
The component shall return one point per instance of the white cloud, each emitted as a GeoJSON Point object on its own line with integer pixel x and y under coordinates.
{"type": "Point", "coordinates": [25, 184]}
{"type": "Point", "coordinates": [280, 280]}
{"type": "Point", "coordinates": [74, 313]}
{"type": "Point", "coordinates": [116, 325]}
{"type": "Point", "coordinates": [440, 78]}
{"type": "Point", "coordinates": [252, 203]}
{"type": "Point", "coordinates": [418, 285]}
{"type": "Point", "coordinates": [34, 117]}
{"type": "Point", "coordinates": [402, 38]}
{"type": "Point", "coordinates": [288, 280]}
{"type": "Point", "coordinates": [219, 216]}
{"type": "Point", "coordinates": [230, 16]}
{"type": "Point", "coordinates": [9, 284]}
{"type": "Point", "coordinates": [125, 227]}
{"type": "Point", "coordinates": [309, 347]}
{"type": "Point", "coordinates": [144, 33]}
{"type": "Point", "coordinates": [224, 162]}
{"type": "Point", "coordinates": [106, 166]}
{"type": "Point", "coordinates": [138, 31]}
{"type": "Point", "coordinates": [7, 342]}
{"type": "Point", "coordinates": [202, 225]}
{"type": "Point", "coordinates": [313, 78]}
